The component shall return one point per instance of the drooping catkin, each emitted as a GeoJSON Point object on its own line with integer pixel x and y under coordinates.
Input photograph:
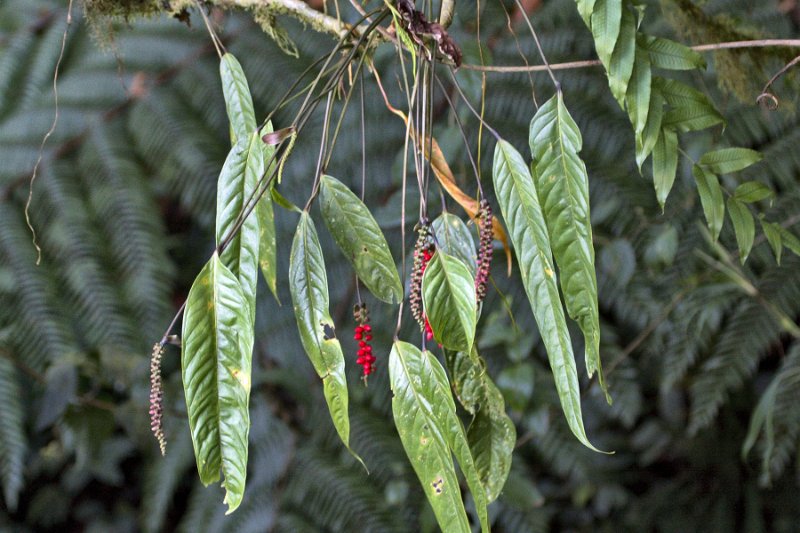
{"type": "Point", "coordinates": [422, 255]}
{"type": "Point", "coordinates": [484, 249]}
{"type": "Point", "coordinates": [157, 397]}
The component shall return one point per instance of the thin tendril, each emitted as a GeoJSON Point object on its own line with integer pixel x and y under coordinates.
{"type": "Point", "coordinates": [47, 136]}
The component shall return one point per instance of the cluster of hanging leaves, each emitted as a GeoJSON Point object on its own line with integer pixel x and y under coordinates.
{"type": "Point", "coordinates": [545, 206]}
{"type": "Point", "coordinates": [659, 108]}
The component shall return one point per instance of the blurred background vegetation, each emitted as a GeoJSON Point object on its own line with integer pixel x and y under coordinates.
{"type": "Point", "coordinates": [705, 422]}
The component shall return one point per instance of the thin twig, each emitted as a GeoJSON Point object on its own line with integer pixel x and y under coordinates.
{"type": "Point", "coordinates": [765, 92]}
{"type": "Point", "coordinates": [47, 135]}
{"type": "Point", "coordinates": [761, 43]}
{"type": "Point", "coordinates": [538, 46]}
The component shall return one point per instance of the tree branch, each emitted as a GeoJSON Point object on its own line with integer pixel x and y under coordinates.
{"type": "Point", "coordinates": [296, 9]}
{"type": "Point", "coordinates": [763, 43]}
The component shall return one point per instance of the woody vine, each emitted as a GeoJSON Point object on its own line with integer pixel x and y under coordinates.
{"type": "Point", "coordinates": [543, 219]}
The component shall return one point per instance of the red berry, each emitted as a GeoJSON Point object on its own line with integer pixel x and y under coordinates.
{"type": "Point", "coordinates": [368, 337]}
{"type": "Point", "coordinates": [366, 327]}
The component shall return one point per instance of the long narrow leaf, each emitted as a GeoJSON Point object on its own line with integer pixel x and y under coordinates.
{"type": "Point", "coordinates": [237, 182]}
{"type": "Point", "coordinates": [563, 186]}
{"type": "Point", "coordinates": [238, 101]}
{"type": "Point", "coordinates": [216, 355]}
{"type": "Point", "coordinates": [309, 287]}
{"type": "Point", "coordinates": [268, 247]}
{"type": "Point", "coordinates": [424, 413]}
{"type": "Point", "coordinates": [516, 193]}
{"type": "Point", "coordinates": [361, 240]}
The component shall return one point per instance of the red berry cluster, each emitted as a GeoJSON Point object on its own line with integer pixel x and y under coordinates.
{"type": "Point", "coordinates": [484, 249]}
{"type": "Point", "coordinates": [363, 334]}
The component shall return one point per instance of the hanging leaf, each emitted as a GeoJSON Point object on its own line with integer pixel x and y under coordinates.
{"type": "Point", "coordinates": [216, 355]}
{"type": "Point", "coordinates": [620, 67]}
{"type": "Point", "coordinates": [238, 101]}
{"type": "Point", "coordinates": [285, 203]}
{"type": "Point", "coordinates": [563, 186]}
{"type": "Point", "coordinates": [743, 226]}
{"type": "Point", "coordinates": [690, 110]}
{"type": "Point", "coordinates": [772, 232]}
{"type": "Point", "coordinates": [448, 297]}
{"type": "Point", "coordinates": [637, 98]}
{"type": "Point", "coordinates": [360, 239]}
{"type": "Point", "coordinates": [711, 199]}
{"type": "Point", "coordinates": [646, 141]}
{"type": "Point", "coordinates": [753, 191]}
{"type": "Point", "coordinates": [454, 238]}
{"type": "Point", "coordinates": [670, 55]}
{"type": "Point", "coordinates": [606, 21]}
{"type": "Point", "coordinates": [424, 413]}
{"type": "Point", "coordinates": [728, 160]}
{"type": "Point", "coordinates": [267, 247]}
{"type": "Point", "coordinates": [585, 8]}
{"type": "Point", "coordinates": [237, 182]}
{"type": "Point", "coordinates": [491, 435]}
{"type": "Point", "coordinates": [309, 287]}
{"type": "Point", "coordinates": [692, 117]}
{"type": "Point", "coordinates": [665, 164]}
{"type": "Point", "coordinates": [516, 194]}
{"type": "Point", "coordinates": [790, 241]}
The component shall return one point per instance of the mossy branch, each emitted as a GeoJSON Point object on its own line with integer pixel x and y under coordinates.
{"type": "Point", "coordinates": [296, 9]}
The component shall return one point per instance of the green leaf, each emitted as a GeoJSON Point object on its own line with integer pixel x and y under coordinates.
{"type": "Point", "coordinates": [670, 55]}
{"type": "Point", "coordinates": [585, 8]}
{"type": "Point", "coordinates": [491, 434]}
{"type": "Point", "coordinates": [454, 238]}
{"type": "Point", "coordinates": [753, 191]}
{"type": "Point", "coordinates": [652, 129]}
{"type": "Point", "coordinates": [728, 160]}
{"type": "Point", "coordinates": [425, 416]}
{"type": "Point", "coordinates": [309, 287]}
{"type": "Point", "coordinates": [216, 358]}
{"type": "Point", "coordinates": [711, 199]}
{"type": "Point", "coordinates": [516, 194]}
{"type": "Point", "coordinates": [692, 117]}
{"type": "Point", "coordinates": [790, 241]}
{"type": "Point", "coordinates": [743, 225]}
{"type": "Point", "coordinates": [665, 164]}
{"type": "Point", "coordinates": [285, 203]}
{"type": "Point", "coordinates": [620, 67]}
{"type": "Point", "coordinates": [268, 247]}
{"type": "Point", "coordinates": [563, 186]}
{"type": "Point", "coordinates": [772, 232]}
{"type": "Point", "coordinates": [690, 109]}
{"type": "Point", "coordinates": [360, 239]}
{"type": "Point", "coordinates": [606, 21]}
{"type": "Point", "coordinates": [237, 182]}
{"type": "Point", "coordinates": [448, 297]}
{"type": "Point", "coordinates": [637, 98]}
{"type": "Point", "coordinates": [238, 101]}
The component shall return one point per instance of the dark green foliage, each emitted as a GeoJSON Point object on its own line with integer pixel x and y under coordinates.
{"type": "Point", "coordinates": [696, 360]}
